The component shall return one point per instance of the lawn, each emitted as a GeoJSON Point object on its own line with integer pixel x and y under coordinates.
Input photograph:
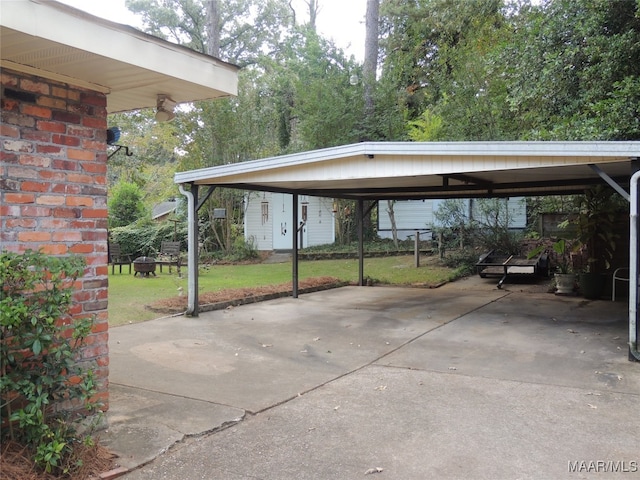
{"type": "Point", "coordinates": [129, 295]}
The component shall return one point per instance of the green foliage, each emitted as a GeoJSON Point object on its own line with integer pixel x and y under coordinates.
{"type": "Point", "coordinates": [487, 228]}
{"type": "Point", "coordinates": [243, 251]}
{"type": "Point", "coordinates": [463, 260]}
{"type": "Point", "coordinates": [145, 238]}
{"type": "Point", "coordinates": [572, 70]}
{"type": "Point", "coordinates": [426, 128]}
{"type": "Point", "coordinates": [599, 209]}
{"type": "Point", "coordinates": [125, 205]}
{"type": "Point", "coordinates": [39, 348]}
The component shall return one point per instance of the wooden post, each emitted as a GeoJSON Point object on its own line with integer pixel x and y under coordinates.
{"type": "Point", "coordinates": [416, 249]}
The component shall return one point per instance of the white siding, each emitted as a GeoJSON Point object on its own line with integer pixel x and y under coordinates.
{"type": "Point", "coordinates": [517, 209]}
{"type": "Point", "coordinates": [320, 222]}
{"type": "Point", "coordinates": [261, 233]}
{"type": "Point", "coordinates": [319, 229]}
{"type": "Point", "coordinates": [410, 215]}
{"type": "Point", "coordinates": [517, 212]}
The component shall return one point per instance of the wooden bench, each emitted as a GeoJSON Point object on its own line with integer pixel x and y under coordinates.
{"type": "Point", "coordinates": [169, 255]}
{"type": "Point", "coordinates": [116, 257]}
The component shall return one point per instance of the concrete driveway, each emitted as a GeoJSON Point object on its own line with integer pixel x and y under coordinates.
{"type": "Point", "coordinates": [463, 381]}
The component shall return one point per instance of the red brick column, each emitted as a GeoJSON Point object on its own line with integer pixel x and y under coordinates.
{"type": "Point", "coordinates": [53, 189]}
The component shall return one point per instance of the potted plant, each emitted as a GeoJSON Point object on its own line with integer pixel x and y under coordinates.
{"type": "Point", "coordinates": [596, 237]}
{"type": "Point", "coordinates": [564, 276]}
{"type": "Point", "coordinates": [562, 262]}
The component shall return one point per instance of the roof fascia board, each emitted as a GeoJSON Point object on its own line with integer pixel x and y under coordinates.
{"type": "Point", "coordinates": [282, 161]}
{"type": "Point", "coordinates": [614, 151]}
{"type": "Point", "coordinates": [503, 148]}
{"type": "Point", "coordinates": [62, 24]}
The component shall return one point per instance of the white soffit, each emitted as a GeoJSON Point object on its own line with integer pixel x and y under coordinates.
{"type": "Point", "coordinates": [429, 170]}
{"type": "Point", "coordinates": [58, 42]}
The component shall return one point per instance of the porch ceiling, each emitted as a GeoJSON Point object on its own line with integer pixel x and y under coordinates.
{"type": "Point", "coordinates": [61, 43]}
{"type": "Point", "coordinates": [415, 170]}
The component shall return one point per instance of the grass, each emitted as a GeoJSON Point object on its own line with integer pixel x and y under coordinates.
{"type": "Point", "coordinates": [128, 295]}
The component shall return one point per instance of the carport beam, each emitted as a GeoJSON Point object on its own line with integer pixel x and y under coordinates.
{"type": "Point", "coordinates": [610, 181]}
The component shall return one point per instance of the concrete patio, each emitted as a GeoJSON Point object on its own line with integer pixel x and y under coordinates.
{"type": "Point", "coordinates": [463, 381]}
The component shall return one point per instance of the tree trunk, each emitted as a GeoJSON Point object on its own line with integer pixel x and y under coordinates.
{"type": "Point", "coordinates": [213, 27]}
{"type": "Point", "coordinates": [369, 69]}
{"type": "Point", "coordinates": [370, 56]}
{"type": "Point", "coordinates": [392, 219]}
{"type": "Point", "coordinates": [313, 13]}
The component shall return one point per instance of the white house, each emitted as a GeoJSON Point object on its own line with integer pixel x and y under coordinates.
{"type": "Point", "coordinates": [418, 215]}
{"type": "Point", "coordinates": [268, 220]}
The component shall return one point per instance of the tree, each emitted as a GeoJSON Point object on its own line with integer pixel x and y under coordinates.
{"type": "Point", "coordinates": [371, 46]}
{"type": "Point", "coordinates": [440, 55]}
{"type": "Point", "coordinates": [125, 205]}
{"type": "Point", "coordinates": [241, 31]}
{"type": "Point", "coordinates": [573, 70]}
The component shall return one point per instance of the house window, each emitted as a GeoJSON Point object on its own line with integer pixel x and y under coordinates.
{"type": "Point", "coordinates": [265, 212]}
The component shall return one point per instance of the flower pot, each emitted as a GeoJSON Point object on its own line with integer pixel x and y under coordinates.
{"type": "Point", "coordinates": [565, 283]}
{"type": "Point", "coordinates": [592, 285]}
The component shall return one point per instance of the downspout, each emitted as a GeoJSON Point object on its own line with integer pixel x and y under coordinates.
{"type": "Point", "coordinates": [634, 355]}
{"type": "Point", "coordinates": [192, 264]}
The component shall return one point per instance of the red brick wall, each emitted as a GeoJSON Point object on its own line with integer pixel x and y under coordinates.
{"type": "Point", "coordinates": [53, 188]}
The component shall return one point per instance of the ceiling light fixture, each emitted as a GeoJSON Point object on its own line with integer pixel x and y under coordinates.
{"type": "Point", "coordinates": [164, 112]}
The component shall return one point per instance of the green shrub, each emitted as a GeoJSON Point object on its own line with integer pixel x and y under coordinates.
{"type": "Point", "coordinates": [145, 238]}
{"type": "Point", "coordinates": [243, 251]}
{"type": "Point", "coordinates": [125, 205]}
{"type": "Point", "coordinates": [462, 260]}
{"type": "Point", "coordinates": [42, 384]}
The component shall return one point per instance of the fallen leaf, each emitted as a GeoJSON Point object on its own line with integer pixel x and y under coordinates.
{"type": "Point", "coordinates": [267, 345]}
{"type": "Point", "coordinates": [374, 470]}
{"type": "Point", "coordinates": [592, 406]}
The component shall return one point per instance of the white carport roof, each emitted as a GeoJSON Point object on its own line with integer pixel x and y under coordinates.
{"type": "Point", "coordinates": [395, 170]}
{"type": "Point", "coordinates": [61, 43]}
{"type": "Point", "coordinates": [417, 170]}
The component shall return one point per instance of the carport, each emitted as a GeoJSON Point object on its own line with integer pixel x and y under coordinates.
{"type": "Point", "coordinates": [372, 171]}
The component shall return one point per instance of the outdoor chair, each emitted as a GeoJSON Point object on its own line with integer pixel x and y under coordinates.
{"type": "Point", "coordinates": [169, 255]}
{"type": "Point", "coordinates": [620, 274]}
{"type": "Point", "coordinates": [116, 257]}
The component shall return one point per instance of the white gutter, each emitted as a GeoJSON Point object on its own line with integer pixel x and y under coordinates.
{"type": "Point", "coordinates": [633, 269]}
{"type": "Point", "coordinates": [192, 242]}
